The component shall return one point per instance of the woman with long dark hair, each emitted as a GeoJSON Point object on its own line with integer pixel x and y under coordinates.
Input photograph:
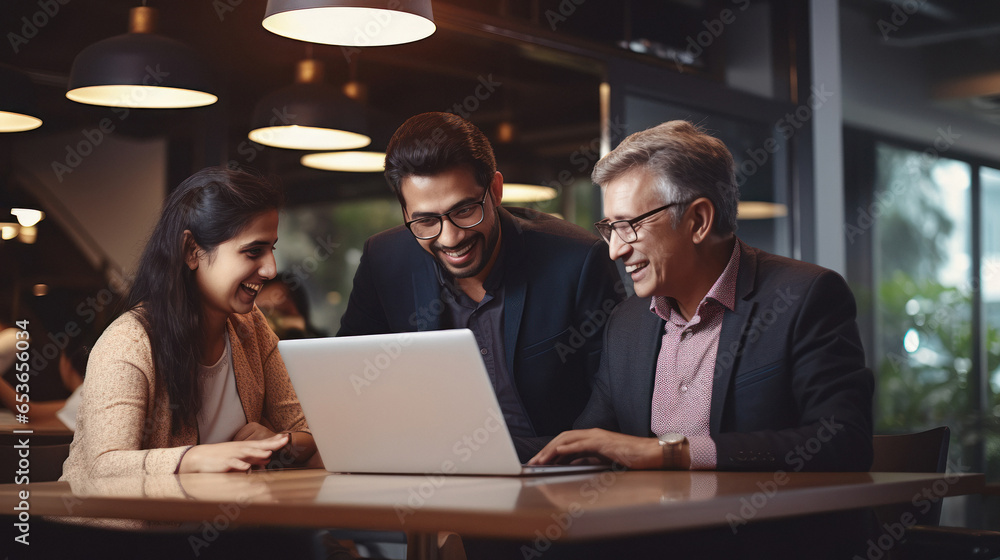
{"type": "Point", "coordinates": [188, 378]}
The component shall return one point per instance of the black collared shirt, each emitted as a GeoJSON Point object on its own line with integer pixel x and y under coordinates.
{"type": "Point", "coordinates": [485, 320]}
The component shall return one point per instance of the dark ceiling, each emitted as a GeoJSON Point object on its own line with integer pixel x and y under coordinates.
{"type": "Point", "coordinates": [955, 43]}
{"type": "Point", "coordinates": [920, 23]}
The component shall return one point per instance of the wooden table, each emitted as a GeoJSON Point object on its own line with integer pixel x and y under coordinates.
{"type": "Point", "coordinates": [609, 504]}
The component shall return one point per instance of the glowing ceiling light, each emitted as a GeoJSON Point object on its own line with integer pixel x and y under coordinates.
{"type": "Point", "coordinates": [309, 115]}
{"type": "Point", "coordinates": [352, 23]}
{"type": "Point", "coordinates": [27, 217]}
{"type": "Point", "coordinates": [755, 210]}
{"type": "Point", "coordinates": [140, 69]}
{"type": "Point", "coordinates": [357, 162]}
{"type": "Point", "coordinates": [521, 192]}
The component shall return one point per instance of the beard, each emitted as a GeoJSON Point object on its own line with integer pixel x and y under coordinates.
{"type": "Point", "coordinates": [486, 245]}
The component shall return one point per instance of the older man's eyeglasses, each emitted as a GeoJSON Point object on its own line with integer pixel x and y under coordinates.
{"type": "Point", "coordinates": [626, 228]}
{"type": "Point", "coordinates": [465, 217]}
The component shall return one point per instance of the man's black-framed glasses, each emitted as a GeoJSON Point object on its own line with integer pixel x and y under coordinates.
{"type": "Point", "coordinates": [465, 217]}
{"type": "Point", "coordinates": [626, 228]}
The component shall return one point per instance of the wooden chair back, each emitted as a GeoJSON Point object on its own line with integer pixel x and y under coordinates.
{"type": "Point", "coordinates": [918, 452]}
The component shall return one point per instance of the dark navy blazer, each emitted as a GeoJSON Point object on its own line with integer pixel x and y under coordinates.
{"type": "Point", "coordinates": [790, 391]}
{"type": "Point", "coordinates": [559, 289]}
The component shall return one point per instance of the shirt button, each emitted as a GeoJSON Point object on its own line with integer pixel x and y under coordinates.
{"type": "Point", "coordinates": [483, 351]}
{"type": "Point", "coordinates": [684, 388]}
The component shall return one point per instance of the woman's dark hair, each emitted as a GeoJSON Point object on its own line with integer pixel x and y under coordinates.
{"type": "Point", "coordinates": [214, 204]}
{"type": "Point", "coordinates": [431, 143]}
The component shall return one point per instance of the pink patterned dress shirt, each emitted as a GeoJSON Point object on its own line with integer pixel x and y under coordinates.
{"type": "Point", "coordinates": [682, 394]}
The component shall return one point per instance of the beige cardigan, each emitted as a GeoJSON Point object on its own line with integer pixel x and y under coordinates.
{"type": "Point", "coordinates": [123, 427]}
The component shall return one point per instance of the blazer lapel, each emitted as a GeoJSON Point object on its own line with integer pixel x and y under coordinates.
{"type": "Point", "coordinates": [515, 283]}
{"type": "Point", "coordinates": [735, 325]}
{"type": "Point", "coordinates": [647, 352]}
{"type": "Point", "coordinates": [426, 291]}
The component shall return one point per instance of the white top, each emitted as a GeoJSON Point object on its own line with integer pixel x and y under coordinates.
{"type": "Point", "coordinates": [67, 414]}
{"type": "Point", "coordinates": [221, 414]}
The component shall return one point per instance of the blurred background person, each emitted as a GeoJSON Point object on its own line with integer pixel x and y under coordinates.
{"type": "Point", "coordinates": [72, 369]}
{"type": "Point", "coordinates": [286, 310]}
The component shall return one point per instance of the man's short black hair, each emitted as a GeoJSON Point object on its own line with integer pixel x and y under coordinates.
{"type": "Point", "coordinates": [432, 143]}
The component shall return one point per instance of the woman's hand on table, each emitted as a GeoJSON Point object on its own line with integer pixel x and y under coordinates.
{"type": "Point", "coordinates": [231, 455]}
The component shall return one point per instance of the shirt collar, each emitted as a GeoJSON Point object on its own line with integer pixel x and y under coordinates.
{"type": "Point", "coordinates": [723, 291]}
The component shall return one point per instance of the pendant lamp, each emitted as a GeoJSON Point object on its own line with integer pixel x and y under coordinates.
{"type": "Point", "coordinates": [352, 162]}
{"type": "Point", "coordinates": [9, 230]}
{"type": "Point", "coordinates": [27, 217]}
{"type": "Point", "coordinates": [309, 115]}
{"type": "Point", "coordinates": [352, 23]}
{"type": "Point", "coordinates": [522, 192]}
{"type": "Point", "coordinates": [17, 102]}
{"type": "Point", "coordinates": [140, 69]}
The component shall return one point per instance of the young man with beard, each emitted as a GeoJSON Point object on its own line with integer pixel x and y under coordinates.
{"type": "Point", "coordinates": [535, 290]}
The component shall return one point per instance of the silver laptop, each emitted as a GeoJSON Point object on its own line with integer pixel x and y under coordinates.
{"type": "Point", "coordinates": [414, 403]}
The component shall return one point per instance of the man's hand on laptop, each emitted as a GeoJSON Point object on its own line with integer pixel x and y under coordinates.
{"type": "Point", "coordinates": [583, 446]}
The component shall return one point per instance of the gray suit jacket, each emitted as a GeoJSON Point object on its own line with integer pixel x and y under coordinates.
{"type": "Point", "coordinates": [791, 391]}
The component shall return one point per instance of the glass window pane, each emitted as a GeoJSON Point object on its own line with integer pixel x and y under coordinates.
{"type": "Point", "coordinates": [319, 248]}
{"type": "Point", "coordinates": [990, 276]}
{"type": "Point", "coordinates": [923, 309]}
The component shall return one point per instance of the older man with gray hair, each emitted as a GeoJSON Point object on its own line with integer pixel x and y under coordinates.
{"type": "Point", "coordinates": [728, 357]}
